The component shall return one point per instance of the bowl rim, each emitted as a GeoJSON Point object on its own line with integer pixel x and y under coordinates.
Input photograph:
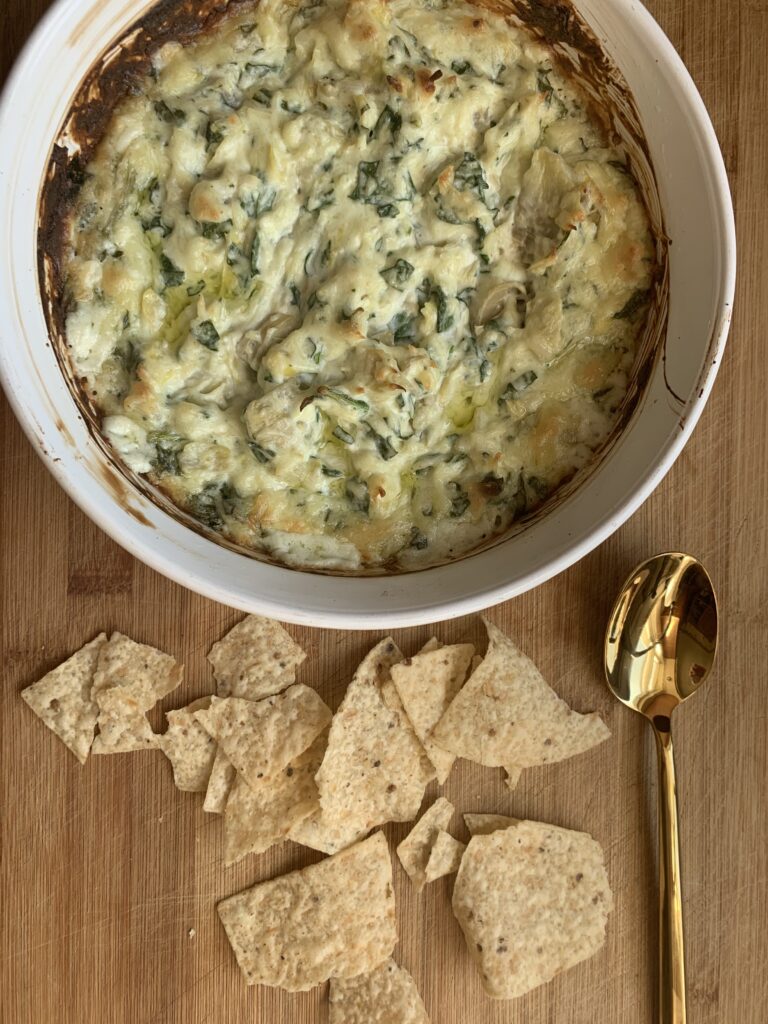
{"type": "Point", "coordinates": [102, 512]}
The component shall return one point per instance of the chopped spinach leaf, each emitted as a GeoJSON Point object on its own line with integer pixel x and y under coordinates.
{"type": "Point", "coordinates": [260, 453]}
{"type": "Point", "coordinates": [170, 273]}
{"type": "Point", "coordinates": [418, 540]}
{"type": "Point", "coordinates": [255, 244]}
{"type": "Point", "coordinates": [167, 448]}
{"type": "Point", "coordinates": [398, 273]}
{"type": "Point", "coordinates": [165, 113]}
{"type": "Point", "coordinates": [469, 176]}
{"type": "Point", "coordinates": [206, 334]}
{"type": "Point", "coordinates": [461, 67]}
{"type": "Point", "coordinates": [388, 118]}
{"type": "Point", "coordinates": [383, 446]}
{"type": "Point", "coordinates": [357, 495]}
{"type": "Point", "coordinates": [215, 228]}
{"type": "Point", "coordinates": [342, 435]}
{"type": "Point", "coordinates": [633, 305]}
{"type": "Point", "coordinates": [195, 289]}
{"type": "Point", "coordinates": [343, 397]}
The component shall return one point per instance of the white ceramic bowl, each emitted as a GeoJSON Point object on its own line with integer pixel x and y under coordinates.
{"type": "Point", "coordinates": [699, 220]}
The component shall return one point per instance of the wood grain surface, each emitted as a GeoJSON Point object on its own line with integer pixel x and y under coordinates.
{"type": "Point", "coordinates": [110, 876]}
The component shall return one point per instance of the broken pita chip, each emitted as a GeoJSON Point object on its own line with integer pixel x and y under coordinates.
{"type": "Point", "coordinates": [512, 773]}
{"type": "Point", "coordinates": [261, 737]}
{"type": "Point", "coordinates": [415, 849]}
{"type": "Point", "coordinates": [256, 659]}
{"type": "Point", "coordinates": [123, 727]}
{"type": "Point", "coordinates": [433, 644]}
{"type": "Point", "coordinates": [189, 748]}
{"type": "Point", "coordinates": [375, 768]}
{"type": "Point", "coordinates": [484, 824]}
{"type": "Point", "coordinates": [427, 684]}
{"type": "Point", "coordinates": [507, 709]}
{"type": "Point", "coordinates": [320, 832]}
{"type": "Point", "coordinates": [386, 995]}
{"type": "Point", "coordinates": [259, 816]}
{"type": "Point", "coordinates": [219, 784]}
{"type": "Point", "coordinates": [532, 901]}
{"type": "Point", "coordinates": [444, 857]}
{"type": "Point", "coordinates": [62, 699]}
{"type": "Point", "coordinates": [129, 680]}
{"type": "Point", "coordinates": [331, 919]}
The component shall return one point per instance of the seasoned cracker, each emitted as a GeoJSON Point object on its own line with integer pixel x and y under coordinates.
{"type": "Point", "coordinates": [532, 901]}
{"type": "Point", "coordinates": [507, 714]}
{"type": "Point", "coordinates": [427, 684]}
{"type": "Point", "coordinates": [256, 659]}
{"type": "Point", "coordinates": [62, 698]}
{"type": "Point", "coordinates": [331, 919]}
{"type": "Point", "coordinates": [386, 995]}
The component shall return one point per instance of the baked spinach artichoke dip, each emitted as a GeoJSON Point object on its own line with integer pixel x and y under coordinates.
{"type": "Point", "coordinates": [357, 285]}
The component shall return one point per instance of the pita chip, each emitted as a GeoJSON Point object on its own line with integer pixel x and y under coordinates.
{"type": "Point", "coordinates": [259, 816]}
{"type": "Point", "coordinates": [532, 901]}
{"type": "Point", "coordinates": [386, 995]}
{"type": "Point", "coordinates": [507, 714]}
{"type": "Point", "coordinates": [261, 737]}
{"type": "Point", "coordinates": [62, 699]}
{"type": "Point", "coordinates": [189, 747]}
{"type": "Point", "coordinates": [427, 684]}
{"type": "Point", "coordinates": [334, 919]}
{"type": "Point", "coordinates": [375, 768]}
{"type": "Point", "coordinates": [415, 849]}
{"type": "Point", "coordinates": [256, 659]}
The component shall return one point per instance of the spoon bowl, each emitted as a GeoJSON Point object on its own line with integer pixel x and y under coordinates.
{"type": "Point", "coordinates": [662, 635]}
{"type": "Point", "coordinates": [660, 646]}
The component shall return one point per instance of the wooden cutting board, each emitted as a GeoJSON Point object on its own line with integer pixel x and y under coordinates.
{"type": "Point", "coordinates": [110, 877]}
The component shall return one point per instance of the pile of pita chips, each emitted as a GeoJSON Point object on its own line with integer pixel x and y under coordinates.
{"type": "Point", "coordinates": [257, 816]}
{"type": "Point", "coordinates": [374, 769]}
{"type": "Point", "coordinates": [415, 851]}
{"type": "Point", "coordinates": [427, 683]}
{"type": "Point", "coordinates": [532, 900]}
{"type": "Point", "coordinates": [507, 715]}
{"type": "Point", "coordinates": [386, 995]}
{"type": "Point", "coordinates": [261, 737]}
{"type": "Point", "coordinates": [256, 659]}
{"type": "Point", "coordinates": [130, 678]}
{"type": "Point", "coordinates": [62, 699]}
{"type": "Point", "coordinates": [334, 919]}
{"type": "Point", "coordinates": [110, 683]}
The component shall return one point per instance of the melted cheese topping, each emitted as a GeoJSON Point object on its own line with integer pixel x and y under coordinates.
{"type": "Point", "coordinates": [357, 283]}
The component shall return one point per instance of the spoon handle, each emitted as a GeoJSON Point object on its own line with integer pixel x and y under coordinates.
{"type": "Point", "coordinates": [671, 949]}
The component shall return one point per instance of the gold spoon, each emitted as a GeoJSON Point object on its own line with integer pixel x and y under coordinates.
{"type": "Point", "coordinates": [659, 647]}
